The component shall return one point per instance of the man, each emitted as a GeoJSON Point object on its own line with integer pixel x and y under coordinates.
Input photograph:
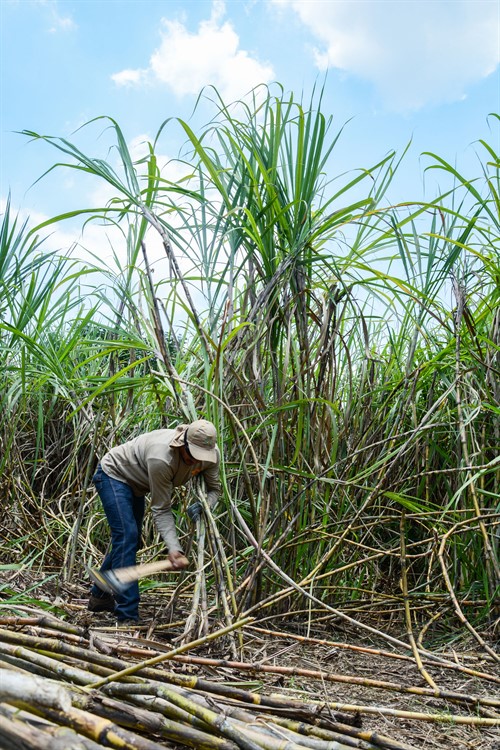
{"type": "Point", "coordinates": [154, 463]}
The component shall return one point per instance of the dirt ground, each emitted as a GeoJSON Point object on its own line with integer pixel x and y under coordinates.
{"type": "Point", "coordinates": [344, 661]}
{"type": "Point", "coordinates": [421, 734]}
{"type": "Point", "coordinates": [282, 652]}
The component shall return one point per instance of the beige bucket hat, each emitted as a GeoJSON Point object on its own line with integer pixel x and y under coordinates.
{"type": "Point", "coordinates": [200, 437]}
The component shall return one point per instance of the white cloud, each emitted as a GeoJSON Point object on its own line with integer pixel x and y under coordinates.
{"type": "Point", "coordinates": [414, 52]}
{"type": "Point", "coordinates": [58, 21]}
{"type": "Point", "coordinates": [186, 61]}
{"type": "Point", "coordinates": [129, 77]}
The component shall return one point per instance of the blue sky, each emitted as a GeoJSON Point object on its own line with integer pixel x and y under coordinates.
{"type": "Point", "coordinates": [399, 70]}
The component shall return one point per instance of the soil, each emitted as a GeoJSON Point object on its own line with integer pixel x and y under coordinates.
{"type": "Point", "coordinates": [420, 734]}
{"type": "Point", "coordinates": [69, 601]}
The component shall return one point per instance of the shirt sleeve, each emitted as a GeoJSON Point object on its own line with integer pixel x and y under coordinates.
{"type": "Point", "coordinates": [161, 486]}
{"type": "Point", "coordinates": [212, 481]}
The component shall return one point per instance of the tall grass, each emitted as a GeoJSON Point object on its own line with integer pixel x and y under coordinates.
{"type": "Point", "coordinates": [310, 320]}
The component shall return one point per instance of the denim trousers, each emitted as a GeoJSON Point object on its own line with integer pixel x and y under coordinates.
{"type": "Point", "coordinates": [125, 513]}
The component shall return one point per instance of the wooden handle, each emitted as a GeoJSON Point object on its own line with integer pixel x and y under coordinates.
{"type": "Point", "coordinates": [134, 572]}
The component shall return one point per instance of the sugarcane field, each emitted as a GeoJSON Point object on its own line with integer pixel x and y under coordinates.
{"type": "Point", "coordinates": [250, 469]}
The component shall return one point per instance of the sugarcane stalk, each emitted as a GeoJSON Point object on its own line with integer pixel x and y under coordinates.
{"type": "Point", "coordinates": [204, 629]}
{"type": "Point", "coordinates": [214, 531]}
{"type": "Point", "coordinates": [221, 593]}
{"type": "Point", "coordinates": [170, 654]}
{"type": "Point", "coordinates": [463, 619]}
{"type": "Point", "coordinates": [300, 587]}
{"type": "Point", "coordinates": [266, 603]}
{"type": "Point", "coordinates": [337, 730]}
{"type": "Point", "coordinates": [44, 621]}
{"type": "Point", "coordinates": [212, 719]}
{"type": "Point", "coordinates": [46, 703]}
{"type": "Point", "coordinates": [249, 729]}
{"type": "Point", "coordinates": [146, 696]}
{"type": "Point", "coordinates": [154, 722]}
{"type": "Point", "coordinates": [106, 665]}
{"type": "Point", "coordinates": [245, 735]}
{"type": "Point", "coordinates": [351, 737]}
{"type": "Point", "coordinates": [376, 652]}
{"type": "Point", "coordinates": [307, 741]}
{"type": "Point", "coordinates": [35, 662]}
{"type": "Point", "coordinates": [448, 718]}
{"type": "Point", "coordinates": [274, 738]}
{"type": "Point", "coordinates": [279, 734]}
{"type": "Point", "coordinates": [233, 695]}
{"type": "Point", "coordinates": [409, 630]}
{"type": "Point", "coordinates": [158, 327]}
{"type": "Point", "coordinates": [53, 665]}
{"type": "Point", "coordinates": [109, 665]}
{"type": "Point", "coordinates": [99, 425]}
{"type": "Point", "coordinates": [14, 685]}
{"type": "Point", "coordinates": [98, 729]}
{"type": "Point", "coordinates": [120, 713]}
{"type": "Point", "coordinates": [18, 733]}
{"type": "Point", "coordinates": [199, 583]}
{"type": "Point", "coordinates": [344, 679]}
{"type": "Point", "coordinates": [199, 599]}
{"type": "Point", "coordinates": [16, 663]}
{"type": "Point", "coordinates": [81, 676]}
{"type": "Point", "coordinates": [216, 722]}
{"type": "Point", "coordinates": [436, 616]}
{"type": "Point", "coordinates": [461, 312]}
{"type": "Point", "coordinates": [302, 728]}
{"type": "Point", "coordinates": [160, 228]}
{"type": "Point", "coordinates": [160, 697]}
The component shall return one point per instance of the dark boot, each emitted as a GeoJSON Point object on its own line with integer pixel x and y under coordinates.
{"type": "Point", "coordinates": [104, 603]}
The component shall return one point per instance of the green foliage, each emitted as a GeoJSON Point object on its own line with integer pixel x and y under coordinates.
{"type": "Point", "coordinates": [309, 319]}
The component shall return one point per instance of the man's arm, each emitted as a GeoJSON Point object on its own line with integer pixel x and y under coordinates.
{"type": "Point", "coordinates": [212, 480]}
{"type": "Point", "coordinates": [161, 487]}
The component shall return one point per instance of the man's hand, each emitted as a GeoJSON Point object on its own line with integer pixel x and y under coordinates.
{"type": "Point", "coordinates": [194, 511]}
{"type": "Point", "coordinates": [179, 562]}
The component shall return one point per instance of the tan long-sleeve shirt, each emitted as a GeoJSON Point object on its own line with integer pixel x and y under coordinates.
{"type": "Point", "coordinates": [149, 465]}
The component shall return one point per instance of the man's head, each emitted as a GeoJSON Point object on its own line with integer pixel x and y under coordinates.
{"type": "Point", "coordinates": [199, 440]}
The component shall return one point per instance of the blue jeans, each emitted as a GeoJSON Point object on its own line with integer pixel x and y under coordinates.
{"type": "Point", "coordinates": [124, 512]}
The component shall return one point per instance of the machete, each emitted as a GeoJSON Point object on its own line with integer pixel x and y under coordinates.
{"type": "Point", "coordinates": [116, 581]}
